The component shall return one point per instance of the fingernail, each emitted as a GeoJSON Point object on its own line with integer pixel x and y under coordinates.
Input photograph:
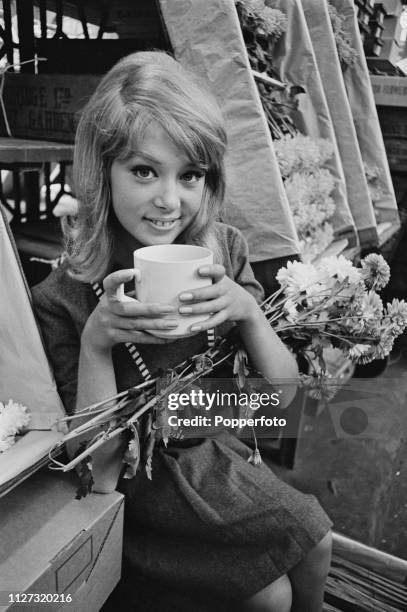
{"type": "Point", "coordinates": [185, 297]}
{"type": "Point", "coordinates": [185, 310]}
{"type": "Point", "coordinates": [196, 328]}
{"type": "Point", "coordinates": [171, 324]}
{"type": "Point", "coordinates": [167, 308]}
{"type": "Point", "coordinates": [203, 270]}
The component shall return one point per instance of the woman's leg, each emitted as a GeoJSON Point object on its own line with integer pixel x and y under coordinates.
{"type": "Point", "coordinates": [309, 576]}
{"type": "Point", "coordinates": [275, 597]}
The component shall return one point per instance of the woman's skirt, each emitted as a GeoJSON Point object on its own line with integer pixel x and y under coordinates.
{"type": "Point", "coordinates": [212, 527]}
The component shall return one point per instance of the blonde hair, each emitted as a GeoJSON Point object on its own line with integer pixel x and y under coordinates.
{"type": "Point", "coordinates": [140, 89]}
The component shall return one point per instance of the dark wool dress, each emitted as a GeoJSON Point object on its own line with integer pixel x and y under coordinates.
{"type": "Point", "coordinates": [209, 528]}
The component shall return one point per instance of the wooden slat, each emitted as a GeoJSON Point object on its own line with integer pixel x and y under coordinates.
{"type": "Point", "coordinates": [370, 558]}
{"type": "Point", "coordinates": [19, 150]}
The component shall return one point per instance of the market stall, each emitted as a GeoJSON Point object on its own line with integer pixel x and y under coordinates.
{"type": "Point", "coordinates": [370, 139]}
{"type": "Point", "coordinates": [330, 69]}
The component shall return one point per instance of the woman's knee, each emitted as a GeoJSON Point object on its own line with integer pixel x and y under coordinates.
{"type": "Point", "coordinates": [319, 558]}
{"type": "Point", "coordinates": [275, 597]}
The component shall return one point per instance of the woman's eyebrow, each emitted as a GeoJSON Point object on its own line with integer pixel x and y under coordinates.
{"type": "Point", "coordinates": [152, 160]}
{"type": "Point", "coordinates": [146, 157]}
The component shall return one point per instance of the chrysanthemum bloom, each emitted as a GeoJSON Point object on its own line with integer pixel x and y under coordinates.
{"type": "Point", "coordinates": [14, 418]}
{"type": "Point", "coordinates": [358, 350]}
{"type": "Point", "coordinates": [375, 271]}
{"type": "Point", "coordinates": [297, 277]}
{"type": "Point", "coordinates": [396, 314]}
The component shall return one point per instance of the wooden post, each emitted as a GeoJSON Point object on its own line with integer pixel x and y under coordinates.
{"type": "Point", "coordinates": [25, 19]}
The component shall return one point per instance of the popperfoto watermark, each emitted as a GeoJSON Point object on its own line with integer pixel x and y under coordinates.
{"type": "Point", "coordinates": [360, 408]}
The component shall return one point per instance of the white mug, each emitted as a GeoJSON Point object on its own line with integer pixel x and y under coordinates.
{"type": "Point", "coordinates": [162, 273]}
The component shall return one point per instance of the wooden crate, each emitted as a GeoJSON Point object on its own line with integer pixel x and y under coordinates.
{"type": "Point", "coordinates": [45, 107]}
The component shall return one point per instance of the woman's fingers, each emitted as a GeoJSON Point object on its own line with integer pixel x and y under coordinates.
{"type": "Point", "coordinates": [113, 281]}
{"type": "Point", "coordinates": [138, 309]}
{"type": "Point", "coordinates": [215, 271]}
{"type": "Point", "coordinates": [216, 319]}
{"type": "Point", "coordinates": [211, 306]}
{"type": "Point", "coordinates": [201, 295]}
{"type": "Point", "coordinates": [144, 323]}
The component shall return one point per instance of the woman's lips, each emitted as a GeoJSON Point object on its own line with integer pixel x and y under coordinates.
{"type": "Point", "coordinates": [162, 224]}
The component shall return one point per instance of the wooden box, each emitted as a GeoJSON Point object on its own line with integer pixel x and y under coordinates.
{"type": "Point", "coordinates": [45, 106]}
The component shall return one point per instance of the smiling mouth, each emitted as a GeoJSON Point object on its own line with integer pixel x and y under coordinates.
{"type": "Point", "coordinates": [159, 223]}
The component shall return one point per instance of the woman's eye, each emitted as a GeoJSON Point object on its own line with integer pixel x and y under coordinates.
{"type": "Point", "coordinates": [143, 172]}
{"type": "Point", "coordinates": [192, 176]}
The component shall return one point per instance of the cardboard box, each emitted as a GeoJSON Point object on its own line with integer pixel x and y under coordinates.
{"type": "Point", "coordinates": [54, 544]}
{"type": "Point", "coordinates": [25, 373]}
{"type": "Point", "coordinates": [45, 106]}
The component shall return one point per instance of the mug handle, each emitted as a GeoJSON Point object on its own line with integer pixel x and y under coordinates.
{"type": "Point", "coordinates": [123, 297]}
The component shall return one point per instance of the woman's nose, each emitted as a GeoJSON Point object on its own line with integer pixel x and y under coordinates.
{"type": "Point", "coordinates": [168, 198]}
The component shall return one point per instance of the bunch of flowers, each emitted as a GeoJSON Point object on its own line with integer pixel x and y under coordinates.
{"type": "Point", "coordinates": [308, 187]}
{"type": "Point", "coordinates": [346, 53]}
{"type": "Point", "coordinates": [142, 407]}
{"type": "Point", "coordinates": [302, 154]}
{"type": "Point", "coordinates": [14, 418]}
{"type": "Point", "coordinates": [262, 26]}
{"type": "Point", "coordinates": [261, 19]}
{"type": "Point", "coordinates": [331, 304]}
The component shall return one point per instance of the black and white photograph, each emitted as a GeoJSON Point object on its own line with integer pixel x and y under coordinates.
{"type": "Point", "coordinates": [203, 305]}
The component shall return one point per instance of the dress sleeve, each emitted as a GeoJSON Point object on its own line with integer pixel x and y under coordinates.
{"type": "Point", "coordinates": [242, 271]}
{"type": "Point", "coordinates": [62, 345]}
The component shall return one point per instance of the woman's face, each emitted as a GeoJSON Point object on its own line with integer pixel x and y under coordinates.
{"type": "Point", "coordinates": [157, 192]}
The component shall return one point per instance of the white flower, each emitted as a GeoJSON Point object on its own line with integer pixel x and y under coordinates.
{"type": "Point", "coordinates": [14, 418]}
{"type": "Point", "coordinates": [396, 316]}
{"type": "Point", "coordinates": [371, 307]}
{"type": "Point", "coordinates": [301, 153]}
{"type": "Point", "coordinates": [358, 350]}
{"type": "Point", "coordinates": [384, 346]}
{"type": "Point", "coordinates": [291, 311]}
{"type": "Point", "coordinates": [309, 198]}
{"type": "Point", "coordinates": [297, 277]}
{"type": "Point", "coordinates": [272, 21]}
{"type": "Point", "coordinates": [341, 268]}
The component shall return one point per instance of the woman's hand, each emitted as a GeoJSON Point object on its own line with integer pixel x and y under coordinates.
{"type": "Point", "coordinates": [224, 300]}
{"type": "Point", "coordinates": [115, 321]}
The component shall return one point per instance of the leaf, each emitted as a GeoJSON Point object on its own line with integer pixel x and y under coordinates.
{"type": "Point", "coordinates": [202, 363]}
{"type": "Point", "coordinates": [85, 473]}
{"type": "Point", "coordinates": [240, 367]}
{"type": "Point", "coordinates": [132, 454]}
{"type": "Point", "coordinates": [161, 410]}
{"type": "Point", "coordinates": [148, 454]}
